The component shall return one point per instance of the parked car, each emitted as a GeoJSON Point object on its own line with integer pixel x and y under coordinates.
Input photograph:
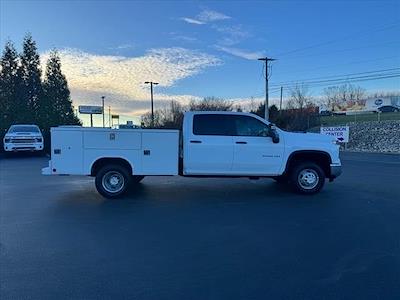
{"type": "Point", "coordinates": [211, 144]}
{"type": "Point", "coordinates": [23, 137]}
{"type": "Point", "coordinates": [325, 113]}
{"type": "Point", "coordinates": [388, 108]}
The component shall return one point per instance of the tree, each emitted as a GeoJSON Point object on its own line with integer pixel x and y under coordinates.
{"type": "Point", "coordinates": [172, 117]}
{"type": "Point", "coordinates": [56, 106]}
{"type": "Point", "coordinates": [299, 98]}
{"type": "Point", "coordinates": [336, 95]}
{"type": "Point", "coordinates": [211, 104]}
{"type": "Point", "coordinates": [9, 83]}
{"type": "Point", "coordinates": [31, 89]}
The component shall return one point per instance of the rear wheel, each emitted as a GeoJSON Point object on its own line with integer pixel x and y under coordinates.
{"type": "Point", "coordinates": [112, 181]}
{"type": "Point", "coordinates": [307, 178]}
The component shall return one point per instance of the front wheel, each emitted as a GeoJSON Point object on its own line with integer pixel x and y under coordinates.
{"type": "Point", "coordinates": [307, 178]}
{"type": "Point", "coordinates": [112, 181]}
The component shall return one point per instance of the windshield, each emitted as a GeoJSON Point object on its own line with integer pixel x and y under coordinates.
{"type": "Point", "coordinates": [24, 128]}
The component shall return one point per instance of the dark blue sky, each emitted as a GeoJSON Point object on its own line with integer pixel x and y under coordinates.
{"type": "Point", "coordinates": [309, 39]}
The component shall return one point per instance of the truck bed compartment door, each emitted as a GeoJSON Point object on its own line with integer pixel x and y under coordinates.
{"type": "Point", "coordinates": [160, 153]}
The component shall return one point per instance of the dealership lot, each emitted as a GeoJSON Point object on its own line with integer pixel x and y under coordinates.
{"type": "Point", "coordinates": [182, 238]}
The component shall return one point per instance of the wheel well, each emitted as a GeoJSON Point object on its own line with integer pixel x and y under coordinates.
{"type": "Point", "coordinates": [98, 164]}
{"type": "Point", "coordinates": [321, 158]}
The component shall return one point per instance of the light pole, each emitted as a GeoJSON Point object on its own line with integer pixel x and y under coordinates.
{"type": "Point", "coordinates": [152, 104]}
{"type": "Point", "coordinates": [102, 99]}
{"type": "Point", "coordinates": [266, 111]}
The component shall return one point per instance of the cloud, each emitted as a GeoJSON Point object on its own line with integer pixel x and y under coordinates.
{"type": "Point", "coordinates": [192, 21]}
{"type": "Point", "coordinates": [211, 16]}
{"type": "Point", "coordinates": [124, 47]}
{"type": "Point", "coordinates": [184, 38]}
{"type": "Point", "coordinates": [232, 34]}
{"type": "Point", "coordinates": [122, 78]}
{"type": "Point", "coordinates": [250, 55]}
{"type": "Point", "coordinates": [206, 16]}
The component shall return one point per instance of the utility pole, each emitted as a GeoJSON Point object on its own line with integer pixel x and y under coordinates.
{"type": "Point", "coordinates": [152, 103]}
{"type": "Point", "coordinates": [102, 99]}
{"type": "Point", "coordinates": [266, 59]}
{"type": "Point", "coordinates": [280, 102]}
{"type": "Point", "coordinates": [109, 116]}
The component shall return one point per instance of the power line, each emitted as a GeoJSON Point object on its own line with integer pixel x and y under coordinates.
{"type": "Point", "coordinates": [360, 32]}
{"type": "Point", "coordinates": [333, 76]}
{"type": "Point", "coordinates": [370, 46]}
{"type": "Point", "coordinates": [345, 64]}
{"type": "Point", "coordinates": [343, 80]}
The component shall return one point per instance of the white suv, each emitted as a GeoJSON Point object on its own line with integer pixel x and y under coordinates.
{"type": "Point", "coordinates": [23, 137]}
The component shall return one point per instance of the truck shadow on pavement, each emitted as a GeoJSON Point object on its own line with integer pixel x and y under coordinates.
{"type": "Point", "coordinates": [183, 191]}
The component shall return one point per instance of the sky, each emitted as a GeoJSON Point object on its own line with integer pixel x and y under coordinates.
{"type": "Point", "coordinates": [196, 49]}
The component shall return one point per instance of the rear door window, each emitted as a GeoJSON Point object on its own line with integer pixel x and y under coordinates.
{"type": "Point", "coordinates": [213, 124]}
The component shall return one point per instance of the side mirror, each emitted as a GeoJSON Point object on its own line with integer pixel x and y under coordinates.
{"type": "Point", "coordinates": [273, 134]}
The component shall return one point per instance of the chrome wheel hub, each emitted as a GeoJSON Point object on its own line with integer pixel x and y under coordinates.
{"type": "Point", "coordinates": [113, 182]}
{"type": "Point", "coordinates": [308, 179]}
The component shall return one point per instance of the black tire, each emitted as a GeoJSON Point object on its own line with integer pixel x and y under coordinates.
{"type": "Point", "coordinates": [135, 179]}
{"type": "Point", "coordinates": [112, 181]}
{"type": "Point", "coordinates": [302, 175]}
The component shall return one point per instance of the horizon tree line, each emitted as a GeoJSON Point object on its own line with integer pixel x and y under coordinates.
{"type": "Point", "coordinates": [28, 97]}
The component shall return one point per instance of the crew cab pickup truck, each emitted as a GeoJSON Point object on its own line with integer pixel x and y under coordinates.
{"type": "Point", "coordinates": [23, 137]}
{"type": "Point", "coordinates": [211, 144]}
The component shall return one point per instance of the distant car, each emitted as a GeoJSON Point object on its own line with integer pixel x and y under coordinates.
{"type": "Point", "coordinates": [23, 137]}
{"type": "Point", "coordinates": [325, 113]}
{"type": "Point", "coordinates": [388, 108]}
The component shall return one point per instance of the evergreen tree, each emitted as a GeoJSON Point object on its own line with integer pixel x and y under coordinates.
{"type": "Point", "coordinates": [31, 90]}
{"type": "Point", "coordinates": [9, 82]}
{"type": "Point", "coordinates": [57, 105]}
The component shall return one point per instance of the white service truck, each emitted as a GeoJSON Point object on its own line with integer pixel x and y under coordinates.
{"type": "Point", "coordinates": [211, 144]}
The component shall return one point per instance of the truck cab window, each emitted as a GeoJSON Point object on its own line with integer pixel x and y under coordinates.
{"type": "Point", "coordinates": [248, 126]}
{"type": "Point", "coordinates": [213, 124]}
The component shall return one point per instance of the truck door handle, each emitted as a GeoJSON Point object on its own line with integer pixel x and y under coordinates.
{"type": "Point", "coordinates": [240, 142]}
{"type": "Point", "coordinates": [195, 142]}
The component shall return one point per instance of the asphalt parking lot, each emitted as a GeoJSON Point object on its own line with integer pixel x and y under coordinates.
{"type": "Point", "coordinates": [181, 238]}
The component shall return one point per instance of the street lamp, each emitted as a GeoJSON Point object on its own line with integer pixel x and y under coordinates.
{"type": "Point", "coordinates": [152, 105]}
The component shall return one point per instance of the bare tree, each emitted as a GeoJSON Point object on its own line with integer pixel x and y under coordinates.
{"type": "Point", "coordinates": [211, 103]}
{"type": "Point", "coordinates": [336, 95]}
{"type": "Point", "coordinates": [172, 117]}
{"type": "Point", "coordinates": [299, 98]}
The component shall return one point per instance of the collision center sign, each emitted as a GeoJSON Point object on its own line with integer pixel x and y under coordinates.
{"type": "Point", "coordinates": [341, 133]}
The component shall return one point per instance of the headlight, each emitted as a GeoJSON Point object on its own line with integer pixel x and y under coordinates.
{"type": "Point", "coordinates": [7, 140]}
{"type": "Point", "coordinates": [39, 140]}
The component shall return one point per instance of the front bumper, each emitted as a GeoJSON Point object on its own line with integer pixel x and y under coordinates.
{"type": "Point", "coordinates": [13, 147]}
{"type": "Point", "coordinates": [336, 170]}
